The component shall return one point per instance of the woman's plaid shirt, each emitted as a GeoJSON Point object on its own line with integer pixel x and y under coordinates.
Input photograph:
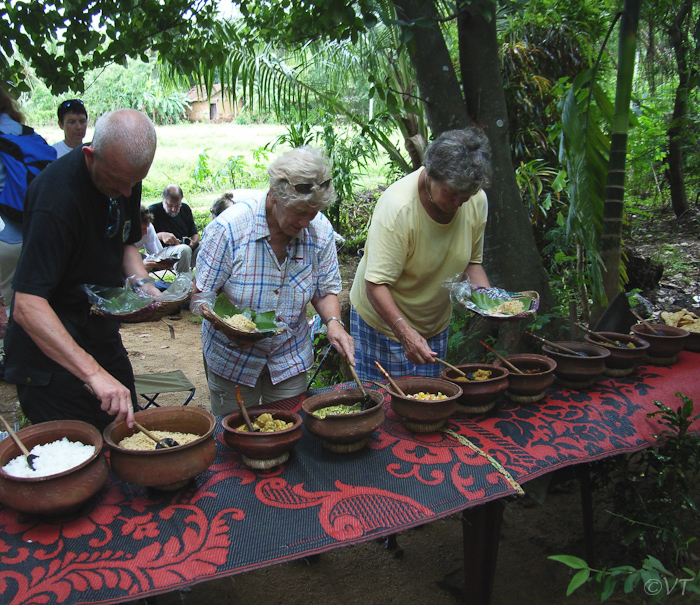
{"type": "Point", "coordinates": [236, 257]}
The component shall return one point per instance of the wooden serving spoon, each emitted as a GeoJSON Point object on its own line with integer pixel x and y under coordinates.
{"type": "Point", "coordinates": [160, 443]}
{"type": "Point", "coordinates": [600, 337]}
{"type": "Point", "coordinates": [244, 411]}
{"type": "Point", "coordinates": [554, 345]}
{"type": "Point", "coordinates": [366, 399]}
{"type": "Point", "coordinates": [505, 362]}
{"type": "Point", "coordinates": [449, 365]}
{"type": "Point", "coordinates": [390, 379]}
{"type": "Point", "coordinates": [30, 457]}
{"type": "Point", "coordinates": [647, 324]}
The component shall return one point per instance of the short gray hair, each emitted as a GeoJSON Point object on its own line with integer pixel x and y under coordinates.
{"type": "Point", "coordinates": [461, 159]}
{"type": "Point", "coordinates": [302, 166]}
{"type": "Point", "coordinates": [130, 131]}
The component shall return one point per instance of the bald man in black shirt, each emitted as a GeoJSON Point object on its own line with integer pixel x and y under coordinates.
{"type": "Point", "coordinates": [176, 229]}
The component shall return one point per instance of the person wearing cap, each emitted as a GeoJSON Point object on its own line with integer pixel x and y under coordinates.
{"type": "Point", "coordinates": [73, 121]}
{"type": "Point", "coordinates": [272, 251]}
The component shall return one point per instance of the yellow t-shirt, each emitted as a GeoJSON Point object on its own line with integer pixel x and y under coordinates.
{"type": "Point", "coordinates": [414, 255]}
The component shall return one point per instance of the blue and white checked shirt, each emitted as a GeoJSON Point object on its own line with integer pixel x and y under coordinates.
{"type": "Point", "coordinates": [236, 255]}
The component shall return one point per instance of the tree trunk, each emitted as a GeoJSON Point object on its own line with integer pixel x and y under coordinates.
{"type": "Point", "coordinates": [611, 233]}
{"type": "Point", "coordinates": [437, 81]}
{"type": "Point", "coordinates": [511, 258]}
{"type": "Point", "coordinates": [679, 196]}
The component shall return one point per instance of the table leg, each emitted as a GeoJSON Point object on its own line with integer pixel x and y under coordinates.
{"type": "Point", "coordinates": [481, 532]}
{"type": "Point", "coordinates": [584, 478]}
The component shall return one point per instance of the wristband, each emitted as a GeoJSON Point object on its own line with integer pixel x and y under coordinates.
{"type": "Point", "coordinates": [340, 321]}
{"type": "Point", "coordinates": [397, 321]}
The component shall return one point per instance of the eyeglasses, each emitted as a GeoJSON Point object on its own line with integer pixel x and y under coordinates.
{"type": "Point", "coordinates": [113, 217]}
{"type": "Point", "coordinates": [307, 188]}
{"type": "Point", "coordinates": [70, 103]}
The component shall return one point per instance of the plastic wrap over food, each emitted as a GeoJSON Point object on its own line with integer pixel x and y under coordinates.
{"type": "Point", "coordinates": [132, 296]}
{"type": "Point", "coordinates": [494, 303]}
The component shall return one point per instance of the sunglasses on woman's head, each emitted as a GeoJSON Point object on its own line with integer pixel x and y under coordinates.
{"type": "Point", "coordinates": [306, 188]}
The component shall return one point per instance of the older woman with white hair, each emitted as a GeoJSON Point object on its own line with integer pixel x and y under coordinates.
{"type": "Point", "coordinates": [276, 252]}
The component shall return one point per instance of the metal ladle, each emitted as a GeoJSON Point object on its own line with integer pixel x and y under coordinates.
{"type": "Point", "coordinates": [30, 457]}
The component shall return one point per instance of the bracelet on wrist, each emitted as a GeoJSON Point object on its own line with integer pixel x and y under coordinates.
{"type": "Point", "coordinates": [340, 321]}
{"type": "Point", "coordinates": [397, 321]}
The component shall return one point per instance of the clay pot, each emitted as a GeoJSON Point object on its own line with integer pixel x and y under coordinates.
{"type": "Point", "coordinates": [56, 494]}
{"type": "Point", "coordinates": [478, 396]}
{"type": "Point", "coordinates": [262, 450]}
{"type": "Point", "coordinates": [577, 372]}
{"type": "Point", "coordinates": [167, 468]}
{"type": "Point", "coordinates": [344, 433]}
{"type": "Point", "coordinates": [622, 360]}
{"type": "Point", "coordinates": [424, 416]}
{"type": "Point", "coordinates": [692, 343]}
{"type": "Point", "coordinates": [663, 348]}
{"type": "Point", "coordinates": [530, 386]}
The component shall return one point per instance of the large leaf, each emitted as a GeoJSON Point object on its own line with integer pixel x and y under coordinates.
{"type": "Point", "coordinates": [265, 321]}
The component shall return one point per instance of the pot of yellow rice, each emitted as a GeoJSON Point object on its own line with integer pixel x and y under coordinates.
{"type": "Point", "coordinates": [133, 457]}
{"type": "Point", "coordinates": [427, 404]}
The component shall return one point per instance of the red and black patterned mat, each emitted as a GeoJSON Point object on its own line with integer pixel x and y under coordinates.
{"type": "Point", "coordinates": [129, 542]}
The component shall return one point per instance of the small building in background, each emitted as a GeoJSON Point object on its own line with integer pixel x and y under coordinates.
{"type": "Point", "coordinates": [216, 107]}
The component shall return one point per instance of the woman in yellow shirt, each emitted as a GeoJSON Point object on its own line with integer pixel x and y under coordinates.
{"type": "Point", "coordinates": [427, 227]}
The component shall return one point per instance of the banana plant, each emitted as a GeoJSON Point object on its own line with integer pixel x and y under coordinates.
{"type": "Point", "coordinates": [596, 161]}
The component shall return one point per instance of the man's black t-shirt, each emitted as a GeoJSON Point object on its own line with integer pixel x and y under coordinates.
{"type": "Point", "coordinates": [65, 235]}
{"type": "Point", "coordinates": [67, 245]}
{"type": "Point", "coordinates": [180, 226]}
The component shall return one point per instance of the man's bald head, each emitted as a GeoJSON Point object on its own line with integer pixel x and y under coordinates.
{"type": "Point", "coordinates": [129, 132]}
{"type": "Point", "coordinates": [121, 151]}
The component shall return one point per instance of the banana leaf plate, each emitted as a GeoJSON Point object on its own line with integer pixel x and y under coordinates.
{"type": "Point", "coordinates": [487, 303]}
{"type": "Point", "coordinates": [265, 322]}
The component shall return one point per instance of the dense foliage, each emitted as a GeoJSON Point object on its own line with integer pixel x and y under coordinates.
{"type": "Point", "coordinates": [355, 67]}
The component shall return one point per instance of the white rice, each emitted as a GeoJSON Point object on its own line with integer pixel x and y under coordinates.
{"type": "Point", "coordinates": [52, 458]}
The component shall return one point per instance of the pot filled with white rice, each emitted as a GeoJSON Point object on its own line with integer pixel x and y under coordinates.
{"type": "Point", "coordinates": [133, 456]}
{"type": "Point", "coordinates": [69, 468]}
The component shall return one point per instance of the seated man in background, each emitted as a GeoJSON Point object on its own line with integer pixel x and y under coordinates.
{"type": "Point", "coordinates": [176, 229]}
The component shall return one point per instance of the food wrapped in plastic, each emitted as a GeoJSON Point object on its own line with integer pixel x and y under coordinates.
{"type": "Point", "coordinates": [494, 303]}
{"type": "Point", "coordinates": [235, 323]}
{"type": "Point", "coordinates": [131, 304]}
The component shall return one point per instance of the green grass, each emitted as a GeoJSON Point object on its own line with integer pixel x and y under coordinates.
{"type": "Point", "coordinates": [179, 148]}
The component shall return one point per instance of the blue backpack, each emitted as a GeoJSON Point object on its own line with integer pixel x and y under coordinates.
{"type": "Point", "coordinates": [23, 157]}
